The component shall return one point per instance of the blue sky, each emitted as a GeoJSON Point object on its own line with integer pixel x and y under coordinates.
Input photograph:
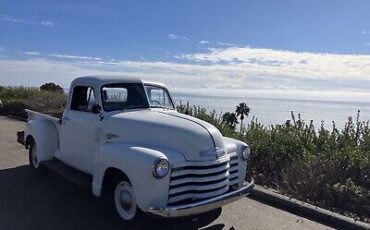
{"type": "Point", "coordinates": [289, 47]}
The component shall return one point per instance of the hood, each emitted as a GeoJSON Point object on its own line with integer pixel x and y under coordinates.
{"type": "Point", "coordinates": [195, 139]}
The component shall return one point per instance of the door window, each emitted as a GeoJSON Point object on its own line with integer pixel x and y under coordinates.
{"type": "Point", "coordinates": [83, 98]}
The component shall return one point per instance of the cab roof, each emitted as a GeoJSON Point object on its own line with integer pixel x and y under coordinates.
{"type": "Point", "coordinates": [100, 80]}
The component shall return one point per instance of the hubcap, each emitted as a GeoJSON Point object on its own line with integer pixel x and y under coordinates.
{"type": "Point", "coordinates": [34, 157]}
{"type": "Point", "coordinates": [124, 200]}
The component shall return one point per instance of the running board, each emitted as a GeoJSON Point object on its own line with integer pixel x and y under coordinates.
{"type": "Point", "coordinates": [80, 178]}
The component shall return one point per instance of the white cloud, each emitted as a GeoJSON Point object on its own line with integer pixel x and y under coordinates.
{"type": "Point", "coordinates": [47, 23]}
{"type": "Point", "coordinates": [203, 42]}
{"type": "Point", "coordinates": [62, 56]}
{"type": "Point", "coordinates": [8, 18]}
{"type": "Point", "coordinates": [293, 65]}
{"type": "Point", "coordinates": [226, 44]}
{"type": "Point", "coordinates": [84, 9]}
{"type": "Point", "coordinates": [66, 56]}
{"type": "Point", "coordinates": [177, 37]}
{"type": "Point", "coordinates": [365, 32]}
{"type": "Point", "coordinates": [367, 44]}
{"type": "Point", "coordinates": [31, 53]}
{"type": "Point", "coordinates": [231, 71]}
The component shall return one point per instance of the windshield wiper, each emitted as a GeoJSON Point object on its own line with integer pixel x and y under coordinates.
{"type": "Point", "coordinates": [158, 106]}
{"type": "Point", "coordinates": [135, 107]}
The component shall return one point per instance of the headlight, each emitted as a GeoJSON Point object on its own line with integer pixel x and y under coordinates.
{"type": "Point", "coordinates": [161, 168]}
{"type": "Point", "coordinates": [246, 152]}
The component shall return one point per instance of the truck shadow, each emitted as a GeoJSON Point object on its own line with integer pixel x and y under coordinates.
{"type": "Point", "coordinates": [31, 202]}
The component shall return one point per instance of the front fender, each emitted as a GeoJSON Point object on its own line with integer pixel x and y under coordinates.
{"type": "Point", "coordinates": [136, 161]}
{"type": "Point", "coordinates": [233, 145]}
{"type": "Point", "coordinates": [45, 135]}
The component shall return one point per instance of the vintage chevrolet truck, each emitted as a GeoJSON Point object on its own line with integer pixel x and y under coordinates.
{"type": "Point", "coordinates": [123, 137]}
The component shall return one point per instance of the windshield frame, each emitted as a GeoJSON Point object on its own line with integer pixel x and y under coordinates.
{"type": "Point", "coordinates": [163, 88]}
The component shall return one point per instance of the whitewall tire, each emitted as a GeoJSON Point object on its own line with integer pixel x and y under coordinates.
{"type": "Point", "coordinates": [34, 161]}
{"type": "Point", "coordinates": [123, 202]}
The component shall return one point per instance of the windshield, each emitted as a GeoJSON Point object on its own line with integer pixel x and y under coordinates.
{"type": "Point", "coordinates": [133, 96]}
{"type": "Point", "coordinates": [124, 96]}
{"type": "Point", "coordinates": [158, 97]}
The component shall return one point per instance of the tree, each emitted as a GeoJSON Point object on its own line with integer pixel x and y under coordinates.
{"type": "Point", "coordinates": [242, 110]}
{"type": "Point", "coordinates": [230, 119]}
{"type": "Point", "coordinates": [52, 87]}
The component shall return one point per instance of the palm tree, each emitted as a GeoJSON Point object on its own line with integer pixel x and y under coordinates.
{"type": "Point", "coordinates": [230, 119]}
{"type": "Point", "coordinates": [242, 110]}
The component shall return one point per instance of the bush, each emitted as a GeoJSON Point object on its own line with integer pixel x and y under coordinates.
{"type": "Point", "coordinates": [51, 87]}
{"type": "Point", "coordinates": [16, 99]}
{"type": "Point", "coordinates": [328, 168]}
{"type": "Point", "coordinates": [14, 108]}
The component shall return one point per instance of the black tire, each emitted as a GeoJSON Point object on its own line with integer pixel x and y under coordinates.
{"type": "Point", "coordinates": [37, 168]}
{"type": "Point", "coordinates": [213, 213]}
{"type": "Point", "coordinates": [139, 218]}
{"type": "Point", "coordinates": [205, 217]}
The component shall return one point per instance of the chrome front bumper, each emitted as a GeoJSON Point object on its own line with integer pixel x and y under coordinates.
{"type": "Point", "coordinates": [204, 205]}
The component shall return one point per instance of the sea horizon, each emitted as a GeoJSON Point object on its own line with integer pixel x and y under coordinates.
{"type": "Point", "coordinates": [271, 111]}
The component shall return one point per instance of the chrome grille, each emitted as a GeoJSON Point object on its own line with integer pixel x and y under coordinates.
{"type": "Point", "coordinates": [201, 180]}
{"type": "Point", "coordinates": [234, 170]}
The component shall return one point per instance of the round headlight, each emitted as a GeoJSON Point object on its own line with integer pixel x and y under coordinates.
{"type": "Point", "coordinates": [246, 151]}
{"type": "Point", "coordinates": [161, 168]}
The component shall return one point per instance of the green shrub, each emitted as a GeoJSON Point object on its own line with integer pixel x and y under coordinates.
{"type": "Point", "coordinates": [51, 87]}
{"type": "Point", "coordinates": [16, 99]}
{"type": "Point", "coordinates": [14, 108]}
{"type": "Point", "coordinates": [328, 168]}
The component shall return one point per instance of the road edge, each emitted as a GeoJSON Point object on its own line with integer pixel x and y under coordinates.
{"type": "Point", "coordinates": [304, 209]}
{"type": "Point", "coordinates": [15, 118]}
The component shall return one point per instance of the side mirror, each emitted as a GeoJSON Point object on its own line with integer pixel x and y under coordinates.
{"type": "Point", "coordinates": [96, 109]}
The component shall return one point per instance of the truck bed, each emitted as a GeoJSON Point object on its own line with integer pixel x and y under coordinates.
{"type": "Point", "coordinates": [33, 115]}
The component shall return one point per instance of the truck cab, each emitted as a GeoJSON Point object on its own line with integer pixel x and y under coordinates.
{"type": "Point", "coordinates": [124, 138]}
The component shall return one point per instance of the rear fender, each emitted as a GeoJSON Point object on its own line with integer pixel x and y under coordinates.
{"type": "Point", "coordinates": [45, 136]}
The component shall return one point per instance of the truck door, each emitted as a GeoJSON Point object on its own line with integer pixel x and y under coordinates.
{"type": "Point", "coordinates": [78, 130]}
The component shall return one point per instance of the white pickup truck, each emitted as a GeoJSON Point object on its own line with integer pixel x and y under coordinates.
{"type": "Point", "coordinates": [124, 138]}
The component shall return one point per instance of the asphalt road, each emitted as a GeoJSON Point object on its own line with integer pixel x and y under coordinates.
{"type": "Point", "coordinates": [30, 202]}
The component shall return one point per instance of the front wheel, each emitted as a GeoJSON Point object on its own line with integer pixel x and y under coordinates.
{"type": "Point", "coordinates": [38, 168]}
{"type": "Point", "coordinates": [123, 202]}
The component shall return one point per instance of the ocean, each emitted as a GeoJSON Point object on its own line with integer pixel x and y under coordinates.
{"type": "Point", "coordinates": [277, 111]}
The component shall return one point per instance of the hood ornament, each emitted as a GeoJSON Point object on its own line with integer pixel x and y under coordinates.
{"type": "Point", "coordinates": [216, 152]}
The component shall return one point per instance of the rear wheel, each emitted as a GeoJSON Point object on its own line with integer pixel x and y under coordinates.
{"type": "Point", "coordinates": [34, 162]}
{"type": "Point", "coordinates": [123, 202]}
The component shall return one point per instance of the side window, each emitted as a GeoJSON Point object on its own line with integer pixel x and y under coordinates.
{"type": "Point", "coordinates": [83, 98]}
